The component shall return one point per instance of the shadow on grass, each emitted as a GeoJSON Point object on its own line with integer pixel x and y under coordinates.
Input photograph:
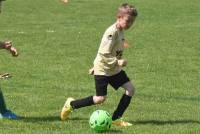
{"type": "Point", "coordinates": [40, 119]}
{"type": "Point", "coordinates": [165, 122]}
{"type": "Point", "coordinates": [49, 119]}
{"type": "Point", "coordinates": [57, 118]}
{"type": "Point", "coordinates": [114, 131]}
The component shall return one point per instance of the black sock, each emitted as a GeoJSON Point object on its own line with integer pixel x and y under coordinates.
{"type": "Point", "coordinates": [123, 104]}
{"type": "Point", "coordinates": [88, 101]}
{"type": "Point", "coordinates": [2, 103]}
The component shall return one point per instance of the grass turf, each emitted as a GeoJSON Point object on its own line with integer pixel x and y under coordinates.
{"type": "Point", "coordinates": [58, 43]}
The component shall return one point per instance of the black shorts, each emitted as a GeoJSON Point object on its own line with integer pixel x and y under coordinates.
{"type": "Point", "coordinates": [116, 81]}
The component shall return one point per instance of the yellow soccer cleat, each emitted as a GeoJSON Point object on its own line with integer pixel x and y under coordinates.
{"type": "Point", "coordinates": [67, 109]}
{"type": "Point", "coordinates": [121, 123]}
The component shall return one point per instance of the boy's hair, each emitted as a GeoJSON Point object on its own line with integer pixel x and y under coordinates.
{"type": "Point", "coordinates": [126, 9]}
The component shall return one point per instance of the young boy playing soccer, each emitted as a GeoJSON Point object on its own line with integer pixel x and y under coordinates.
{"type": "Point", "coordinates": [108, 68]}
{"type": "Point", "coordinates": [4, 112]}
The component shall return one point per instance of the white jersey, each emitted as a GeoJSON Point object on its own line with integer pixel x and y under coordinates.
{"type": "Point", "coordinates": [110, 50]}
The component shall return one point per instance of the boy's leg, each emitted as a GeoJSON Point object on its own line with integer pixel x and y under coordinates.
{"type": "Point", "coordinates": [5, 113]}
{"type": "Point", "coordinates": [125, 101]}
{"type": "Point", "coordinates": [88, 101]}
{"type": "Point", "coordinates": [72, 104]}
{"type": "Point", "coordinates": [122, 80]}
{"type": "Point", "coordinates": [101, 84]}
{"type": "Point", "coordinates": [2, 103]}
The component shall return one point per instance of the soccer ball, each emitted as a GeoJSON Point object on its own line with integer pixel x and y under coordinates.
{"type": "Point", "coordinates": [100, 121]}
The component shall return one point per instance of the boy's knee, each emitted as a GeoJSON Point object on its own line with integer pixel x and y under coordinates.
{"type": "Point", "coordinates": [99, 99]}
{"type": "Point", "coordinates": [129, 89]}
{"type": "Point", "coordinates": [130, 92]}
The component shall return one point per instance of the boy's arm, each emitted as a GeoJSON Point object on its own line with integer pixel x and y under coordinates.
{"type": "Point", "coordinates": [109, 59]}
{"type": "Point", "coordinates": [5, 45]}
{"type": "Point", "coordinates": [8, 46]}
{"type": "Point", "coordinates": [112, 61]}
{"type": "Point", "coordinates": [91, 71]}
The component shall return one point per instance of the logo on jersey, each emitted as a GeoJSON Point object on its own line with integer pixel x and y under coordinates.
{"type": "Point", "coordinates": [119, 54]}
{"type": "Point", "coordinates": [110, 37]}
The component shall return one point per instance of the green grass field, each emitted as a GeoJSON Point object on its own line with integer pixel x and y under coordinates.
{"type": "Point", "coordinates": [58, 43]}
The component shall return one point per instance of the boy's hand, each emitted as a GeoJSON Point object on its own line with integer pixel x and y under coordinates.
{"type": "Point", "coordinates": [8, 46]}
{"type": "Point", "coordinates": [13, 51]}
{"type": "Point", "coordinates": [125, 45]}
{"type": "Point", "coordinates": [122, 62]}
{"type": "Point", "coordinates": [91, 71]}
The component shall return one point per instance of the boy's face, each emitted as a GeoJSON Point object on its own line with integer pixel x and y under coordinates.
{"type": "Point", "coordinates": [126, 21]}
